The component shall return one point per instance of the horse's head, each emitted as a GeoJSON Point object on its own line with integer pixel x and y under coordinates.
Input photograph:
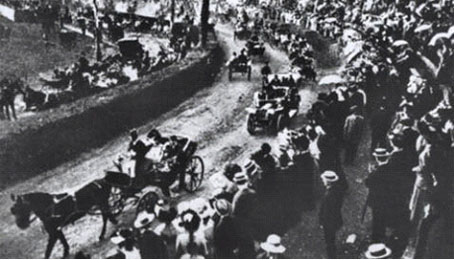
{"type": "Point", "coordinates": [21, 211]}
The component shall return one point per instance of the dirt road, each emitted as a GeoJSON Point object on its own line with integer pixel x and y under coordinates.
{"type": "Point", "coordinates": [215, 117]}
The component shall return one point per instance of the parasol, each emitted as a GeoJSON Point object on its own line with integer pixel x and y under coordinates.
{"type": "Point", "coordinates": [423, 28]}
{"type": "Point", "coordinates": [439, 37]}
{"type": "Point", "coordinates": [450, 31]}
{"type": "Point", "coordinates": [331, 79]}
{"type": "Point", "coordinates": [331, 20]}
{"type": "Point", "coordinates": [400, 43]}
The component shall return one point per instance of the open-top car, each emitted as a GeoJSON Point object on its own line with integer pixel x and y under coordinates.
{"type": "Point", "coordinates": [273, 109]}
{"type": "Point", "coordinates": [240, 66]}
{"type": "Point", "coordinates": [131, 48]}
{"type": "Point", "coordinates": [284, 79]}
{"type": "Point", "coordinates": [242, 32]}
{"type": "Point", "coordinates": [255, 46]}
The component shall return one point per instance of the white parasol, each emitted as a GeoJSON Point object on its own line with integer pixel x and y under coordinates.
{"type": "Point", "coordinates": [438, 38]}
{"type": "Point", "coordinates": [331, 79]}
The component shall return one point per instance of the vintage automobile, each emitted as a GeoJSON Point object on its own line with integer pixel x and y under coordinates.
{"type": "Point", "coordinates": [242, 32]}
{"type": "Point", "coordinates": [273, 110]}
{"type": "Point", "coordinates": [255, 47]}
{"type": "Point", "coordinates": [131, 48]}
{"type": "Point", "coordinates": [282, 76]}
{"type": "Point", "coordinates": [236, 66]}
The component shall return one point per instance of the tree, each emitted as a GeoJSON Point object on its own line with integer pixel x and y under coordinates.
{"type": "Point", "coordinates": [97, 31]}
{"type": "Point", "coordinates": [205, 15]}
{"type": "Point", "coordinates": [172, 11]}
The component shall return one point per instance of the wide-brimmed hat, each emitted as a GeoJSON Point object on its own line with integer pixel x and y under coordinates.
{"type": "Point", "coordinates": [190, 220]}
{"type": "Point", "coordinates": [144, 218]}
{"type": "Point", "coordinates": [240, 177]}
{"type": "Point", "coordinates": [273, 244]}
{"type": "Point", "coordinates": [251, 168]}
{"type": "Point", "coordinates": [329, 177]}
{"type": "Point", "coordinates": [378, 251]}
{"type": "Point", "coordinates": [380, 152]}
{"type": "Point", "coordinates": [222, 207]}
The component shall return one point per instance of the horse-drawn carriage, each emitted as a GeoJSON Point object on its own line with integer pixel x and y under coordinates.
{"type": "Point", "coordinates": [138, 189]}
{"type": "Point", "coordinates": [273, 109]}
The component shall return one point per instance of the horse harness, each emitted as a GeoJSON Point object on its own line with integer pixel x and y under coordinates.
{"type": "Point", "coordinates": [58, 208]}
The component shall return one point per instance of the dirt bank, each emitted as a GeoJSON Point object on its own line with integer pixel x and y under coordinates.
{"type": "Point", "coordinates": [47, 139]}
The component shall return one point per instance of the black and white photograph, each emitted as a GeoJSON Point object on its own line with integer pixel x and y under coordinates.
{"type": "Point", "coordinates": [227, 129]}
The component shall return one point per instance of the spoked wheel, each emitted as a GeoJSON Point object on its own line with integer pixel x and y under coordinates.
{"type": "Point", "coordinates": [194, 173]}
{"type": "Point", "coordinates": [147, 202]}
{"type": "Point", "coordinates": [116, 201]}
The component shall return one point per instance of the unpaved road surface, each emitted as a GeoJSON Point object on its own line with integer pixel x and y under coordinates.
{"type": "Point", "coordinates": [215, 117]}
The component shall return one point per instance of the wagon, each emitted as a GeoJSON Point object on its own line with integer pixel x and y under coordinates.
{"type": "Point", "coordinates": [141, 192]}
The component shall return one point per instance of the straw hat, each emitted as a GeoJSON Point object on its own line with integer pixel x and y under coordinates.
{"type": "Point", "coordinates": [273, 245]}
{"type": "Point", "coordinates": [378, 251]}
{"type": "Point", "coordinates": [240, 178]}
{"type": "Point", "coordinates": [329, 177]}
{"type": "Point", "coordinates": [144, 218]}
{"type": "Point", "coordinates": [222, 207]}
{"type": "Point", "coordinates": [380, 152]}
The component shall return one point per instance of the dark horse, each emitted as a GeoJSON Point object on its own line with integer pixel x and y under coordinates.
{"type": "Point", "coordinates": [10, 88]}
{"type": "Point", "coordinates": [59, 210]}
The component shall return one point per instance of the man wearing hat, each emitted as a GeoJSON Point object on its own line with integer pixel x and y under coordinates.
{"type": "Point", "coordinates": [225, 233]}
{"type": "Point", "coordinates": [387, 197]}
{"type": "Point", "coordinates": [151, 245]}
{"type": "Point", "coordinates": [264, 159]}
{"type": "Point", "coordinates": [353, 130]}
{"type": "Point", "coordinates": [330, 215]}
{"type": "Point", "coordinates": [244, 203]}
{"type": "Point", "coordinates": [272, 248]}
{"type": "Point", "coordinates": [378, 251]}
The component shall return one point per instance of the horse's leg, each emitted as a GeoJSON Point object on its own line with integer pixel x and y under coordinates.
{"type": "Point", "coordinates": [50, 245]}
{"type": "Point", "coordinates": [62, 239]}
{"type": "Point", "coordinates": [104, 224]}
{"type": "Point", "coordinates": [13, 109]}
{"type": "Point", "coordinates": [6, 109]}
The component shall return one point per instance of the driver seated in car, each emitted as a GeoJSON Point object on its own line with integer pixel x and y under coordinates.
{"type": "Point", "coordinates": [275, 81]}
{"type": "Point", "coordinates": [253, 41]}
{"type": "Point", "coordinates": [243, 59]}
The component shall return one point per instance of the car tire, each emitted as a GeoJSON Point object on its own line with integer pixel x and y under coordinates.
{"type": "Point", "coordinates": [251, 125]}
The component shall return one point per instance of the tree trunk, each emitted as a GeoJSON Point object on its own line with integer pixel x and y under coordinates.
{"type": "Point", "coordinates": [205, 14]}
{"type": "Point", "coordinates": [172, 11]}
{"type": "Point", "coordinates": [97, 32]}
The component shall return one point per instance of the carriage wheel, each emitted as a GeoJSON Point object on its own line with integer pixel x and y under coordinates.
{"type": "Point", "coordinates": [147, 202]}
{"type": "Point", "coordinates": [116, 201]}
{"type": "Point", "coordinates": [194, 173]}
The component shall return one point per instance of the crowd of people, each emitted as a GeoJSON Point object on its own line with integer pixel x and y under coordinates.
{"type": "Point", "coordinates": [132, 61]}
{"type": "Point", "coordinates": [398, 54]}
{"type": "Point", "coordinates": [397, 81]}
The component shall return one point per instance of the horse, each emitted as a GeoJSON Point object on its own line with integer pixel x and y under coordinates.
{"type": "Point", "coordinates": [9, 90]}
{"type": "Point", "coordinates": [58, 210]}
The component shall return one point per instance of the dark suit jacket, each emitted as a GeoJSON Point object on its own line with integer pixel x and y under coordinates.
{"type": "Point", "coordinates": [330, 214]}
{"type": "Point", "coordinates": [225, 238]}
{"type": "Point", "coordinates": [152, 246]}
